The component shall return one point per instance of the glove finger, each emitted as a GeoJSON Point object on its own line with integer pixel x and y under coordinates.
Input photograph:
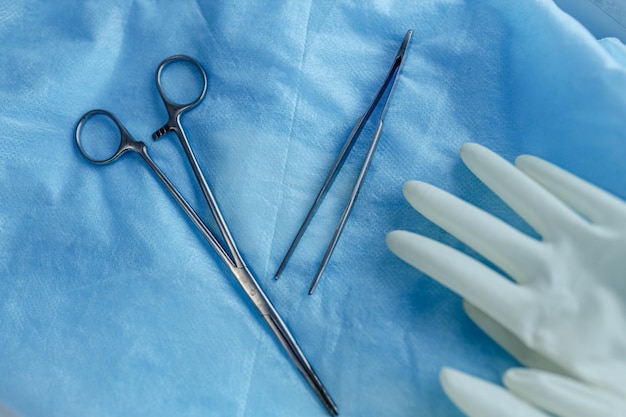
{"type": "Point", "coordinates": [509, 341]}
{"type": "Point", "coordinates": [584, 197]}
{"type": "Point", "coordinates": [481, 285]}
{"type": "Point", "coordinates": [505, 246]}
{"type": "Point", "coordinates": [479, 398]}
{"type": "Point", "coordinates": [561, 395]}
{"type": "Point", "coordinates": [542, 211]}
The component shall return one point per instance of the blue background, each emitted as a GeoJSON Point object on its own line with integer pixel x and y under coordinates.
{"type": "Point", "coordinates": [111, 304]}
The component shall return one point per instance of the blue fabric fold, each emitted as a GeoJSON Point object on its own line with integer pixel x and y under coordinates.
{"type": "Point", "coordinates": [111, 304]}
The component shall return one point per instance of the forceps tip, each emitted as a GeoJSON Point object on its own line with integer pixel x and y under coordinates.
{"type": "Point", "coordinates": [279, 271]}
{"type": "Point", "coordinates": [405, 43]}
{"type": "Point", "coordinates": [328, 402]}
{"type": "Point", "coordinates": [316, 280]}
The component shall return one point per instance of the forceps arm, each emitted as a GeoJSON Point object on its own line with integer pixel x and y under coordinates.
{"type": "Point", "coordinates": [254, 291]}
{"type": "Point", "coordinates": [128, 144]}
{"type": "Point", "coordinates": [252, 288]}
{"type": "Point", "coordinates": [235, 257]}
{"type": "Point", "coordinates": [191, 213]}
{"type": "Point", "coordinates": [284, 336]}
{"type": "Point", "coordinates": [174, 112]}
{"type": "Point", "coordinates": [258, 298]}
{"type": "Point", "coordinates": [291, 347]}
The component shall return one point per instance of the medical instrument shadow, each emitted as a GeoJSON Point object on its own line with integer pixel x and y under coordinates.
{"type": "Point", "coordinates": [234, 261]}
{"type": "Point", "coordinates": [391, 78]}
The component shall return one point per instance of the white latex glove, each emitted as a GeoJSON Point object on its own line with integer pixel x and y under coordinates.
{"type": "Point", "coordinates": [529, 392]}
{"type": "Point", "coordinates": [552, 392]}
{"type": "Point", "coordinates": [568, 304]}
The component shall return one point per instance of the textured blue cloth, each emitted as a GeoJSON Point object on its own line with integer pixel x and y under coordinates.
{"type": "Point", "coordinates": [603, 18]}
{"type": "Point", "coordinates": [111, 304]}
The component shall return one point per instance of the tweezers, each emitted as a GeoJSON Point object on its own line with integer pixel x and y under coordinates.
{"type": "Point", "coordinates": [390, 82]}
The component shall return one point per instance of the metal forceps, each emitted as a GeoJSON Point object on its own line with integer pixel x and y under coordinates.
{"type": "Point", "coordinates": [230, 255]}
{"type": "Point", "coordinates": [341, 158]}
